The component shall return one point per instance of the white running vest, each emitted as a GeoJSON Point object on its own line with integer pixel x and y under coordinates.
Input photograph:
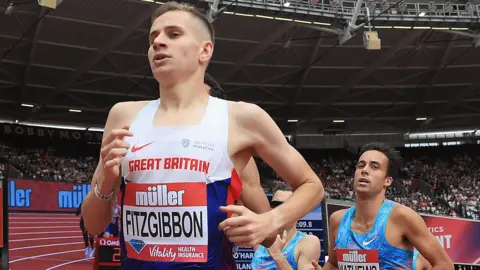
{"type": "Point", "coordinates": [176, 177]}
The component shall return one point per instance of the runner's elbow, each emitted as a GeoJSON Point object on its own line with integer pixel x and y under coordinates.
{"type": "Point", "coordinates": [317, 189]}
{"type": "Point", "coordinates": [444, 265]}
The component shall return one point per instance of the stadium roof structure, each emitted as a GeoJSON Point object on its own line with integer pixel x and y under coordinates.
{"type": "Point", "coordinates": [86, 55]}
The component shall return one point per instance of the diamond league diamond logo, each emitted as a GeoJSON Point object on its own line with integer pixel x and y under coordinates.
{"type": "Point", "coordinates": [138, 245]}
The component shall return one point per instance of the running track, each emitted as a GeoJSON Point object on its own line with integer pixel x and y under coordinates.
{"type": "Point", "coordinates": [46, 241]}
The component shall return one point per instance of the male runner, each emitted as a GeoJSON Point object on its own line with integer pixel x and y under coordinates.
{"type": "Point", "coordinates": [376, 232]}
{"type": "Point", "coordinates": [177, 155]}
{"type": "Point", "coordinates": [294, 250]}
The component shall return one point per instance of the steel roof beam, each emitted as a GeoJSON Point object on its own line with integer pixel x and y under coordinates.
{"type": "Point", "coordinates": [358, 77]}
{"type": "Point", "coordinates": [273, 94]}
{"type": "Point", "coordinates": [241, 41]}
{"type": "Point", "coordinates": [273, 35]}
{"type": "Point", "coordinates": [456, 98]}
{"type": "Point", "coordinates": [31, 55]}
{"type": "Point", "coordinates": [94, 59]}
{"type": "Point", "coordinates": [12, 77]}
{"type": "Point", "coordinates": [123, 75]}
{"type": "Point", "coordinates": [419, 45]}
{"type": "Point", "coordinates": [432, 77]}
{"type": "Point", "coordinates": [460, 14]}
{"type": "Point", "coordinates": [309, 103]}
{"type": "Point", "coordinates": [303, 77]}
{"type": "Point", "coordinates": [80, 100]}
{"type": "Point", "coordinates": [335, 87]}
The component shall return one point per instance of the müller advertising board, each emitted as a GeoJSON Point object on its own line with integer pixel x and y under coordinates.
{"type": "Point", "coordinates": [45, 196]}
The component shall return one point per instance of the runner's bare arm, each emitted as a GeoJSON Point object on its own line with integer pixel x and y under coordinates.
{"type": "Point", "coordinates": [281, 262]}
{"type": "Point", "coordinates": [423, 240]}
{"type": "Point", "coordinates": [276, 252]}
{"type": "Point", "coordinates": [309, 250]}
{"type": "Point", "coordinates": [262, 136]}
{"type": "Point", "coordinates": [253, 196]}
{"type": "Point", "coordinates": [333, 223]}
{"type": "Point", "coordinates": [97, 213]}
{"type": "Point", "coordinates": [422, 264]}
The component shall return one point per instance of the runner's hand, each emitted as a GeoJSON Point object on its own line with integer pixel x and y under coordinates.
{"type": "Point", "coordinates": [114, 148]}
{"type": "Point", "coordinates": [248, 229]}
{"type": "Point", "coordinates": [278, 246]}
{"type": "Point", "coordinates": [315, 266]}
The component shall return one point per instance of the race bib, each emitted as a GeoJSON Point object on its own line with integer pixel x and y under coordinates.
{"type": "Point", "coordinates": [357, 259]}
{"type": "Point", "coordinates": [166, 222]}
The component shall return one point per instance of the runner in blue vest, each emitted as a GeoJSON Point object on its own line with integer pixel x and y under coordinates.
{"type": "Point", "coordinates": [378, 233]}
{"type": "Point", "coordinates": [293, 250]}
{"type": "Point", "coordinates": [419, 262]}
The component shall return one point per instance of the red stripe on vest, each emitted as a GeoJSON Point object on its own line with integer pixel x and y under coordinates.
{"type": "Point", "coordinates": [234, 189]}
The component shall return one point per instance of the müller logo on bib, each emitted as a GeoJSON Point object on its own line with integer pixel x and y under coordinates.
{"type": "Point", "coordinates": [357, 259]}
{"type": "Point", "coordinates": [166, 222]}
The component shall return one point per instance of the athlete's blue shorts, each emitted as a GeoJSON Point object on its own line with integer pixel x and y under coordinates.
{"type": "Point", "coordinates": [112, 229]}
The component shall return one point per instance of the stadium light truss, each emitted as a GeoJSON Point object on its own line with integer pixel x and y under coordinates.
{"type": "Point", "coordinates": [404, 12]}
{"type": "Point", "coordinates": [454, 18]}
{"type": "Point", "coordinates": [460, 19]}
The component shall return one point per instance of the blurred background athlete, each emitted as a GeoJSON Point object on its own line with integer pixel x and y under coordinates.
{"type": "Point", "coordinates": [87, 237]}
{"type": "Point", "coordinates": [247, 187]}
{"type": "Point", "coordinates": [293, 249]}
{"type": "Point", "coordinates": [113, 228]}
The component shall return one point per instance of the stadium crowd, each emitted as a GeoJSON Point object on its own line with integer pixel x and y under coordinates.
{"type": "Point", "coordinates": [440, 181]}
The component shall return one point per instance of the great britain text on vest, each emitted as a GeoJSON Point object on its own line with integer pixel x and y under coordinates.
{"type": "Point", "coordinates": [169, 163]}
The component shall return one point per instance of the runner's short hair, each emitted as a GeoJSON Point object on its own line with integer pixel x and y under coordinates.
{"type": "Point", "coordinates": [175, 6]}
{"type": "Point", "coordinates": [394, 157]}
{"type": "Point", "coordinates": [215, 89]}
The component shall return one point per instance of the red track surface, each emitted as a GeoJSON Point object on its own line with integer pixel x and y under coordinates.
{"type": "Point", "coordinates": [46, 241]}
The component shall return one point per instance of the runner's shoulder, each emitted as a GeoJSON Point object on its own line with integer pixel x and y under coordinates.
{"type": "Point", "coordinates": [123, 113]}
{"type": "Point", "coordinates": [309, 240]}
{"type": "Point", "coordinates": [245, 112]}
{"type": "Point", "coordinates": [402, 214]}
{"type": "Point", "coordinates": [336, 217]}
{"type": "Point", "coordinates": [127, 106]}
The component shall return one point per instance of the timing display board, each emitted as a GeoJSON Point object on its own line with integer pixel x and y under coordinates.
{"type": "Point", "coordinates": [108, 254]}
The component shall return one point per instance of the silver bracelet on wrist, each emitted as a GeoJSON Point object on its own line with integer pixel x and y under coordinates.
{"type": "Point", "coordinates": [101, 196]}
